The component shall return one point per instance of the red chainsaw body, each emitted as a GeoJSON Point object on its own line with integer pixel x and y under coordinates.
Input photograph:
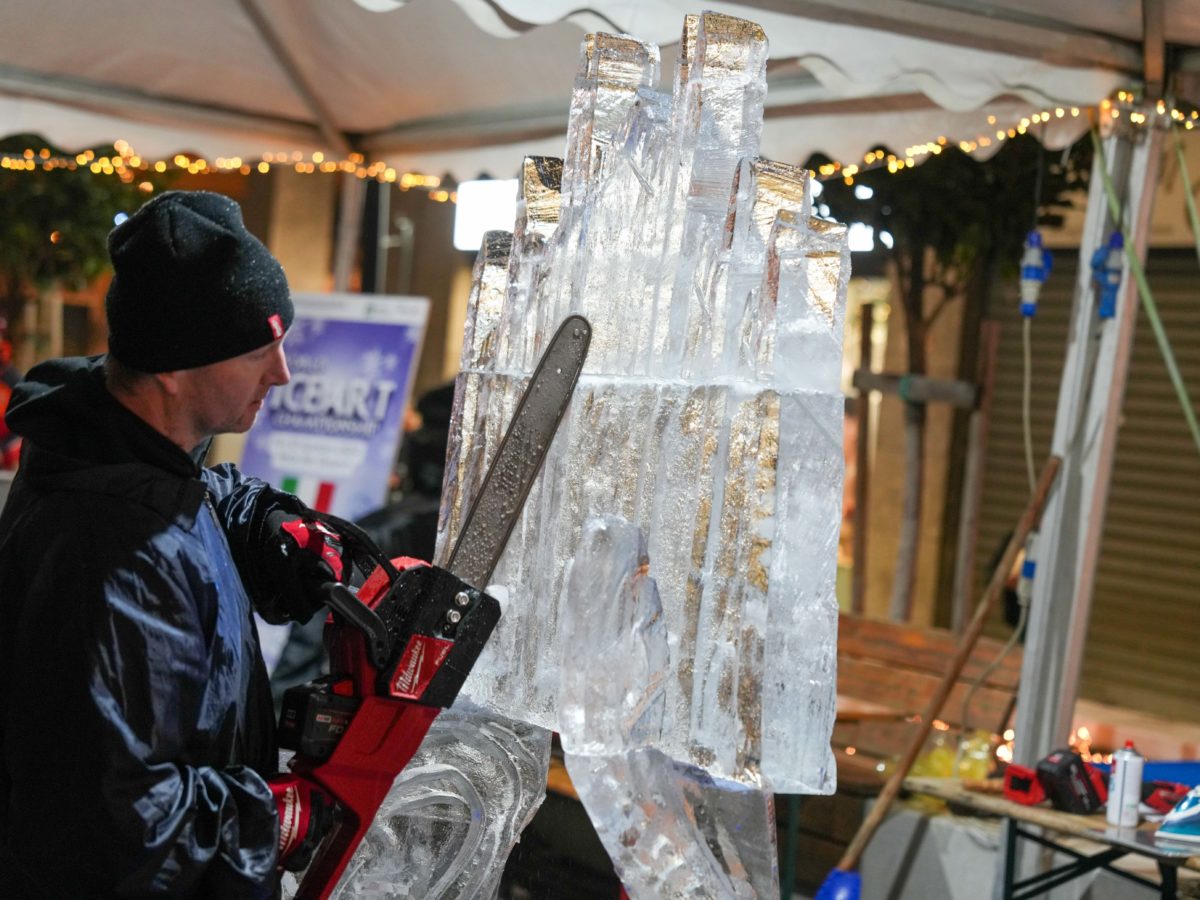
{"type": "Point", "coordinates": [347, 646]}
{"type": "Point", "coordinates": [438, 629]}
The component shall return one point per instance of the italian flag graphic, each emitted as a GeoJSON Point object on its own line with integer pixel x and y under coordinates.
{"type": "Point", "coordinates": [314, 492]}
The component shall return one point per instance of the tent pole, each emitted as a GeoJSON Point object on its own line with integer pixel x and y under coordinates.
{"type": "Point", "coordinates": [1085, 435]}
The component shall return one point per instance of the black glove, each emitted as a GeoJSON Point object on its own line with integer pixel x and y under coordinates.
{"type": "Point", "coordinates": [305, 817]}
{"type": "Point", "coordinates": [299, 554]}
{"type": "Point", "coordinates": [316, 548]}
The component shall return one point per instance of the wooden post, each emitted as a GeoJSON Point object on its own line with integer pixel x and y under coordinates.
{"type": "Point", "coordinates": [862, 467]}
{"type": "Point", "coordinates": [972, 498]}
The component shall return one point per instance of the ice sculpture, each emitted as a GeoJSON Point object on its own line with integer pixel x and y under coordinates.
{"type": "Point", "coordinates": [671, 829]}
{"type": "Point", "coordinates": [449, 822]}
{"type": "Point", "coordinates": [709, 415]}
{"type": "Point", "coordinates": [709, 412]}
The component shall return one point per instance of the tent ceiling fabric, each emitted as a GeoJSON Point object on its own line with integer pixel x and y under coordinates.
{"type": "Point", "coordinates": [471, 86]}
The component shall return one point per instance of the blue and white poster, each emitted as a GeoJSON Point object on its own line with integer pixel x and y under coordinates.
{"type": "Point", "coordinates": [331, 434]}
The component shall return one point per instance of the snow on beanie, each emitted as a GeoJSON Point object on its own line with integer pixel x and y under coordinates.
{"type": "Point", "coordinates": [192, 285]}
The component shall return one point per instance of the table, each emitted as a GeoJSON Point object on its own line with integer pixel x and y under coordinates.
{"type": "Point", "coordinates": [1117, 842]}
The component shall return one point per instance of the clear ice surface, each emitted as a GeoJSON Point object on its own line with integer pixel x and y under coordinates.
{"type": "Point", "coordinates": [671, 829]}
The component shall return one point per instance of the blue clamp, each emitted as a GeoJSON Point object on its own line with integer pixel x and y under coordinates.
{"type": "Point", "coordinates": [1107, 265]}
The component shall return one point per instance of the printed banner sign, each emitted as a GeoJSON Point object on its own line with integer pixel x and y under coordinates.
{"type": "Point", "coordinates": [331, 434]}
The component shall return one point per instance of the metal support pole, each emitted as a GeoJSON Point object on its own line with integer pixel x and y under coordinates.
{"type": "Point", "coordinates": [1085, 436]}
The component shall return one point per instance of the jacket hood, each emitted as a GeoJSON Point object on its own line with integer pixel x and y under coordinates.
{"type": "Point", "coordinates": [75, 430]}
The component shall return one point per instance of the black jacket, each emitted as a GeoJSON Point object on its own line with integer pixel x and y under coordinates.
{"type": "Point", "coordinates": [136, 724]}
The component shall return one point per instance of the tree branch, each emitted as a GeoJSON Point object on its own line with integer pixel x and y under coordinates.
{"type": "Point", "coordinates": [947, 298]}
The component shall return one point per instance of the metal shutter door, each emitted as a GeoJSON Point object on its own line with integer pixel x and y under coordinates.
{"type": "Point", "coordinates": [1145, 623]}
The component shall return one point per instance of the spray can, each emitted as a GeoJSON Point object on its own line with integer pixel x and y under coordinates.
{"type": "Point", "coordinates": [1125, 787]}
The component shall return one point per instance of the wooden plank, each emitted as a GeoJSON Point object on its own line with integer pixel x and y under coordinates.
{"type": "Point", "coordinates": [912, 637]}
{"type": "Point", "coordinates": [909, 692]}
{"type": "Point", "coordinates": [920, 649]}
{"type": "Point", "coordinates": [1004, 677]}
{"type": "Point", "coordinates": [859, 774]}
{"type": "Point", "coordinates": [878, 742]}
{"type": "Point", "coordinates": [918, 388]}
{"type": "Point", "coordinates": [854, 709]}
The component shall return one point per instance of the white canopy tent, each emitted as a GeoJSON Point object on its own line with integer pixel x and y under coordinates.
{"type": "Point", "coordinates": [471, 86]}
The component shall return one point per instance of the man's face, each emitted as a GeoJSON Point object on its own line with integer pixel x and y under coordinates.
{"type": "Point", "coordinates": [226, 396]}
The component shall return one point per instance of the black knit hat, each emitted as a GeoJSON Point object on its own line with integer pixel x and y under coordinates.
{"type": "Point", "coordinates": [192, 285]}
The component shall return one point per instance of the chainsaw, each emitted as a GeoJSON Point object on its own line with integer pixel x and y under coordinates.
{"type": "Point", "coordinates": [402, 646]}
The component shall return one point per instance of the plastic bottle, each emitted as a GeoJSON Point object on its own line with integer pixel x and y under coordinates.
{"type": "Point", "coordinates": [1125, 787]}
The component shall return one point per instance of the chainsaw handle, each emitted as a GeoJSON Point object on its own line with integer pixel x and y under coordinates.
{"type": "Point", "coordinates": [342, 601]}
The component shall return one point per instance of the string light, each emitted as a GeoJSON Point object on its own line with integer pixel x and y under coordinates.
{"type": "Point", "coordinates": [1127, 109]}
{"type": "Point", "coordinates": [1108, 113]}
{"type": "Point", "coordinates": [131, 168]}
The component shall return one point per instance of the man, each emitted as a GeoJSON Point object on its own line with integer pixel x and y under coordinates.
{"type": "Point", "coordinates": [136, 725]}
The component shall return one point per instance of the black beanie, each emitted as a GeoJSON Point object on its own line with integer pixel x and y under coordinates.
{"type": "Point", "coordinates": [192, 285]}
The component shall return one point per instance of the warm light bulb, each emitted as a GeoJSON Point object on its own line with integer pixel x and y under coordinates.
{"type": "Point", "coordinates": [485, 205]}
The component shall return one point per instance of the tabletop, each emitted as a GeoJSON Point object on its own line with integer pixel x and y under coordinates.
{"type": "Point", "coordinates": [1094, 827]}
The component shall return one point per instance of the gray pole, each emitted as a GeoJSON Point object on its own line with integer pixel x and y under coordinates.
{"type": "Point", "coordinates": [350, 211]}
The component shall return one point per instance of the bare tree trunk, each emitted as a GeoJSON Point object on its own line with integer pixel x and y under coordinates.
{"type": "Point", "coordinates": [50, 320]}
{"type": "Point", "coordinates": [25, 346]}
{"type": "Point", "coordinates": [912, 291]}
{"type": "Point", "coordinates": [40, 335]}
{"type": "Point", "coordinates": [900, 609]}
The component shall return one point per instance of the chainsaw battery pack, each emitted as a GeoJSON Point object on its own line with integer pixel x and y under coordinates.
{"type": "Point", "coordinates": [1068, 784]}
{"type": "Point", "coordinates": [314, 717]}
